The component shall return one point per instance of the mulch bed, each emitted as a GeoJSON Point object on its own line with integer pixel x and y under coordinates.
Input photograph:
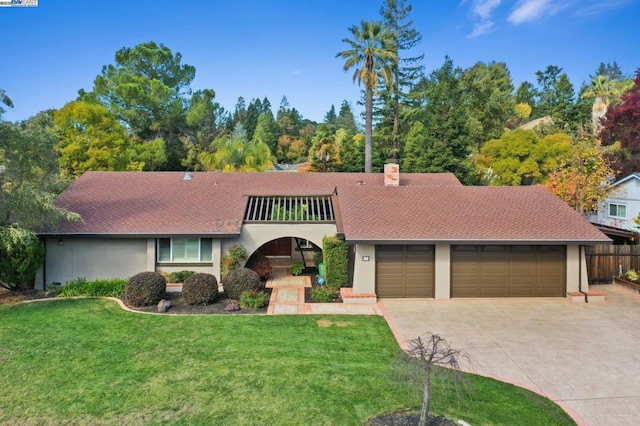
{"type": "Point", "coordinates": [408, 419]}
{"type": "Point", "coordinates": [10, 297]}
{"type": "Point", "coordinates": [177, 305]}
{"type": "Point", "coordinates": [216, 308]}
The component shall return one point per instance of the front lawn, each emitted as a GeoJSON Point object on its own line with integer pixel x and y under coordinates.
{"type": "Point", "coordinates": [86, 361]}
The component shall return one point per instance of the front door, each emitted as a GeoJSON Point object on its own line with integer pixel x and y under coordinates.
{"type": "Point", "coordinates": [277, 248]}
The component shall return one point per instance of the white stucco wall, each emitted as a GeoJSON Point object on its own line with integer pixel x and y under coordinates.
{"type": "Point", "coordinates": [364, 272]}
{"type": "Point", "coordinates": [443, 271]}
{"type": "Point", "coordinates": [255, 235]}
{"type": "Point", "coordinates": [94, 258]}
{"type": "Point", "coordinates": [577, 279]}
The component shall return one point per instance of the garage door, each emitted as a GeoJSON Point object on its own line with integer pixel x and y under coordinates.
{"type": "Point", "coordinates": [508, 271]}
{"type": "Point", "coordinates": [404, 271]}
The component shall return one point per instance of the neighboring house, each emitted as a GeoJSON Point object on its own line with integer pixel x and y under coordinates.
{"type": "Point", "coordinates": [410, 235]}
{"type": "Point", "coordinates": [617, 212]}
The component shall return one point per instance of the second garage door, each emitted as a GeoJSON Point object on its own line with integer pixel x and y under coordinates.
{"type": "Point", "coordinates": [508, 271]}
{"type": "Point", "coordinates": [404, 271]}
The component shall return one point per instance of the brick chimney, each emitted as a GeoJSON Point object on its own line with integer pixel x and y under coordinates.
{"type": "Point", "coordinates": [391, 174]}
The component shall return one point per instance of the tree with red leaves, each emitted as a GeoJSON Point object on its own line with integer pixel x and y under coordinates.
{"type": "Point", "coordinates": [622, 124]}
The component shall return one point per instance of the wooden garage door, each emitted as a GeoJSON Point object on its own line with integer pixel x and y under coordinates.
{"type": "Point", "coordinates": [404, 271]}
{"type": "Point", "coordinates": [508, 271]}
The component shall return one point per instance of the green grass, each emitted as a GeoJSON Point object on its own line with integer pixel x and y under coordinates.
{"type": "Point", "coordinates": [86, 361]}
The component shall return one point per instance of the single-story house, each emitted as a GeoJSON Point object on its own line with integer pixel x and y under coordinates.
{"type": "Point", "coordinates": [410, 235]}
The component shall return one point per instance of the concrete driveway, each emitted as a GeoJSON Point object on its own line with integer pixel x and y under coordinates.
{"type": "Point", "coordinates": [586, 357]}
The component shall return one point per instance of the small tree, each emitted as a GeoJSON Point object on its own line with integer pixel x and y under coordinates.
{"type": "Point", "coordinates": [21, 254]}
{"type": "Point", "coordinates": [425, 353]}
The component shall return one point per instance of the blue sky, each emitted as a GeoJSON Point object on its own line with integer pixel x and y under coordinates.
{"type": "Point", "coordinates": [254, 48]}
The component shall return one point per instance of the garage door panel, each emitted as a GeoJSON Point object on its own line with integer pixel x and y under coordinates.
{"type": "Point", "coordinates": [404, 271]}
{"type": "Point", "coordinates": [508, 271]}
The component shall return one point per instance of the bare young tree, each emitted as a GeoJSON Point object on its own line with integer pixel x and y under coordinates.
{"type": "Point", "coordinates": [428, 351]}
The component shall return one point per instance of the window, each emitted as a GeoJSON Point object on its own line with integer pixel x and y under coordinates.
{"type": "Point", "coordinates": [185, 250]}
{"type": "Point", "coordinates": [305, 244]}
{"type": "Point", "coordinates": [617, 211]}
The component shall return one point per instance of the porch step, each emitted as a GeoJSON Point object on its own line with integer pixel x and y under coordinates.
{"type": "Point", "coordinates": [364, 298]}
{"type": "Point", "coordinates": [594, 296]}
{"type": "Point", "coordinates": [576, 297]}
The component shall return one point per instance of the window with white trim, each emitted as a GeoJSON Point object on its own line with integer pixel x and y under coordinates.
{"type": "Point", "coordinates": [185, 250]}
{"type": "Point", "coordinates": [305, 244]}
{"type": "Point", "coordinates": [617, 211]}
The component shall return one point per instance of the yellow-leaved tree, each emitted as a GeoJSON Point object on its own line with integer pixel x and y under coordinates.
{"type": "Point", "coordinates": [582, 181]}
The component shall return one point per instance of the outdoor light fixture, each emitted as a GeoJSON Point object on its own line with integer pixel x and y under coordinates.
{"type": "Point", "coordinates": [365, 258]}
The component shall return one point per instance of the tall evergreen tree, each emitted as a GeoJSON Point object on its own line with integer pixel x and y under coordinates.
{"type": "Point", "coordinates": [346, 120]}
{"type": "Point", "coordinates": [406, 71]}
{"type": "Point", "coordinates": [267, 131]}
{"type": "Point", "coordinates": [444, 116]}
{"type": "Point", "coordinates": [488, 89]}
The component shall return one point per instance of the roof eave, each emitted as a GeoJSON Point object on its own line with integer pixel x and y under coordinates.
{"type": "Point", "coordinates": [134, 235]}
{"type": "Point", "coordinates": [582, 242]}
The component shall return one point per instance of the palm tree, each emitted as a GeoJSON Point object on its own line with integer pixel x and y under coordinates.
{"type": "Point", "coordinates": [370, 55]}
{"type": "Point", "coordinates": [605, 91]}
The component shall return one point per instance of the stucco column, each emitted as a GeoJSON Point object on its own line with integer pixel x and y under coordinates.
{"type": "Point", "coordinates": [443, 271]}
{"type": "Point", "coordinates": [364, 269]}
{"type": "Point", "coordinates": [573, 268]}
{"type": "Point", "coordinates": [216, 256]}
{"type": "Point", "coordinates": [151, 255]}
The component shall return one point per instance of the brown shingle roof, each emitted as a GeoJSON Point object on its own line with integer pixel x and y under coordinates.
{"type": "Point", "coordinates": [425, 207]}
{"type": "Point", "coordinates": [163, 203]}
{"type": "Point", "coordinates": [463, 214]}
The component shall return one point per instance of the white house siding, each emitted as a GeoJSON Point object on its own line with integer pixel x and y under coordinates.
{"type": "Point", "coordinates": [94, 258]}
{"type": "Point", "coordinates": [255, 235]}
{"type": "Point", "coordinates": [626, 193]}
{"type": "Point", "coordinates": [364, 269]}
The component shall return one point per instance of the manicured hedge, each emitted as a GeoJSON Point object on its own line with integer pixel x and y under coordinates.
{"type": "Point", "coordinates": [336, 262]}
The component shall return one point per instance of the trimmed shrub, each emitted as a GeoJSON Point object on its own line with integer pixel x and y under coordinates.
{"type": "Point", "coordinates": [260, 263]}
{"type": "Point", "coordinates": [322, 294]}
{"type": "Point", "coordinates": [200, 289]}
{"type": "Point", "coordinates": [297, 267]}
{"type": "Point", "coordinates": [97, 288]}
{"type": "Point", "coordinates": [179, 276]}
{"type": "Point", "coordinates": [253, 299]}
{"type": "Point", "coordinates": [145, 289]}
{"type": "Point", "coordinates": [336, 262]}
{"type": "Point", "coordinates": [240, 280]}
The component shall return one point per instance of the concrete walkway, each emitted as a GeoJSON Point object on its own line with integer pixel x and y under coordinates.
{"type": "Point", "coordinates": [288, 297]}
{"type": "Point", "coordinates": [586, 357]}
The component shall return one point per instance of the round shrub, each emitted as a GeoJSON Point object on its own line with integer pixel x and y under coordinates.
{"type": "Point", "coordinates": [240, 280]}
{"type": "Point", "coordinates": [200, 289]}
{"type": "Point", "coordinates": [260, 263]}
{"type": "Point", "coordinates": [145, 289]}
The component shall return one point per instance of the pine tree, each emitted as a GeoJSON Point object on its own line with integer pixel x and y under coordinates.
{"type": "Point", "coordinates": [406, 71]}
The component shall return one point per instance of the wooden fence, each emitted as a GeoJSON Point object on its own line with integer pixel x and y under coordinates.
{"type": "Point", "coordinates": [607, 261]}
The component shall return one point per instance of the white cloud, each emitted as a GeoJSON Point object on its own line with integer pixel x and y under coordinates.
{"type": "Point", "coordinates": [481, 28]}
{"type": "Point", "coordinates": [483, 11]}
{"type": "Point", "coordinates": [484, 8]}
{"type": "Point", "coordinates": [529, 10]}
{"type": "Point", "coordinates": [596, 7]}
